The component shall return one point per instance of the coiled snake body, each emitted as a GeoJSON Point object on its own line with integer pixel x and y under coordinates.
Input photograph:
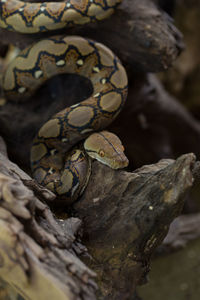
{"type": "Point", "coordinates": [35, 17]}
{"type": "Point", "coordinates": [54, 164]}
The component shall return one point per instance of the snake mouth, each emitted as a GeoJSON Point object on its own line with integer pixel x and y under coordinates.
{"type": "Point", "coordinates": [119, 163]}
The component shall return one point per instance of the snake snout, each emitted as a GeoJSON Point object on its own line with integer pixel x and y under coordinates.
{"type": "Point", "coordinates": [120, 162]}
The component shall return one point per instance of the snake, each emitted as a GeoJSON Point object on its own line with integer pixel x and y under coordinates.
{"type": "Point", "coordinates": [64, 147]}
{"type": "Point", "coordinates": [40, 17]}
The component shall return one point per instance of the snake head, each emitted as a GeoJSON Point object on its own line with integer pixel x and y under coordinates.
{"type": "Point", "coordinates": [107, 148]}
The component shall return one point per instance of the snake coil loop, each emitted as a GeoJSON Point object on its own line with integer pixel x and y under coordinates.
{"type": "Point", "coordinates": [56, 160]}
{"type": "Point", "coordinates": [29, 17]}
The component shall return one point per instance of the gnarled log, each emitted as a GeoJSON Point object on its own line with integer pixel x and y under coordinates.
{"type": "Point", "coordinates": [125, 219]}
{"type": "Point", "coordinates": [37, 255]}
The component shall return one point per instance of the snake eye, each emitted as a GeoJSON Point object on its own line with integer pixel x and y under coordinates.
{"type": "Point", "coordinates": [101, 153]}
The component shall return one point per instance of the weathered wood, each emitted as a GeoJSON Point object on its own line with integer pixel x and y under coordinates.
{"type": "Point", "coordinates": [127, 217]}
{"type": "Point", "coordinates": [37, 253]}
{"type": "Point", "coordinates": [124, 220]}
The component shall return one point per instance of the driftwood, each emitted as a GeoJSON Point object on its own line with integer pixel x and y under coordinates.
{"type": "Point", "coordinates": [109, 235]}
{"type": "Point", "coordinates": [120, 230]}
{"type": "Point", "coordinates": [36, 252]}
{"type": "Point", "coordinates": [132, 213]}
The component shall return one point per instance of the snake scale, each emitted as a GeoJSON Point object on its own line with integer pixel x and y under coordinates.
{"type": "Point", "coordinates": [60, 160]}
{"type": "Point", "coordinates": [36, 17]}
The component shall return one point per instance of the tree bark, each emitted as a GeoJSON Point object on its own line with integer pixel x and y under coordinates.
{"type": "Point", "coordinates": [127, 217]}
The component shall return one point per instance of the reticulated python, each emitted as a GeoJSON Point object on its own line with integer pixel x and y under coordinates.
{"type": "Point", "coordinates": [35, 17]}
{"type": "Point", "coordinates": [54, 164]}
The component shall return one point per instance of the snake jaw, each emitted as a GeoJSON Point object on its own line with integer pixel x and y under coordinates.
{"type": "Point", "coordinates": [120, 162]}
{"type": "Point", "coordinates": [107, 148]}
